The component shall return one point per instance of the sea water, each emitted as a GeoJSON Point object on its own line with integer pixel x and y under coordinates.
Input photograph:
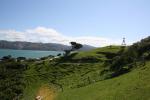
{"type": "Point", "coordinates": [27, 53]}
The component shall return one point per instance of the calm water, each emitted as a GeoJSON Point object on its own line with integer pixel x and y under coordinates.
{"type": "Point", "coordinates": [27, 53]}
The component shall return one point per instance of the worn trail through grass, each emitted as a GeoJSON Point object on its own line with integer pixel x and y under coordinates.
{"type": "Point", "coordinates": [45, 93]}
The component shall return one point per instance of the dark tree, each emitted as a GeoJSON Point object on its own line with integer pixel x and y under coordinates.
{"type": "Point", "coordinates": [21, 58]}
{"type": "Point", "coordinates": [75, 46]}
{"type": "Point", "coordinates": [6, 57]}
{"type": "Point", "coordinates": [59, 54]}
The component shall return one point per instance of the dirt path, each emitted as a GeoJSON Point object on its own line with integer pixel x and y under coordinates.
{"type": "Point", "coordinates": [45, 93]}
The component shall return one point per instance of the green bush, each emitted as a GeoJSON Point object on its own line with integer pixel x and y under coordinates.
{"type": "Point", "coordinates": [11, 79]}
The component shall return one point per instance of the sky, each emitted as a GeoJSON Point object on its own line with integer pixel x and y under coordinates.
{"type": "Point", "coordinates": [92, 22]}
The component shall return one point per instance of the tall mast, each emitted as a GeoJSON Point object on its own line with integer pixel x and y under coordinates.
{"type": "Point", "coordinates": [123, 42]}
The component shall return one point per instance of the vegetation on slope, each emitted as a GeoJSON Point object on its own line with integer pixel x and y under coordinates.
{"type": "Point", "coordinates": [74, 71]}
{"type": "Point", "coordinates": [89, 75]}
{"type": "Point", "coordinates": [131, 86]}
{"type": "Point", "coordinates": [12, 82]}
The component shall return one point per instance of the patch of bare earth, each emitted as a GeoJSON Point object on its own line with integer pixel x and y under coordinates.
{"type": "Point", "coordinates": [45, 93]}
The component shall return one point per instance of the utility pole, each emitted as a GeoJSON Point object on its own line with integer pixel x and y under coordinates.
{"type": "Point", "coordinates": [123, 42]}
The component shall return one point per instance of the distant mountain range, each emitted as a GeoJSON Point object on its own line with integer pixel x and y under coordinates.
{"type": "Point", "coordinates": [19, 45]}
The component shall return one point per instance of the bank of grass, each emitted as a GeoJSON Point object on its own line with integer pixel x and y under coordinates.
{"type": "Point", "coordinates": [67, 74]}
{"type": "Point", "coordinates": [96, 52]}
{"type": "Point", "coordinates": [78, 77]}
{"type": "Point", "coordinates": [134, 85]}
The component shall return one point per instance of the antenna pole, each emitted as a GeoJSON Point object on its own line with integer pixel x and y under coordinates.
{"type": "Point", "coordinates": [123, 42]}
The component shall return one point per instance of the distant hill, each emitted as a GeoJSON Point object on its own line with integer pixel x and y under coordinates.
{"type": "Point", "coordinates": [86, 48]}
{"type": "Point", "coordinates": [19, 45]}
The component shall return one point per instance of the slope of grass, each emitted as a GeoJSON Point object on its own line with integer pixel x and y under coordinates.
{"type": "Point", "coordinates": [95, 53]}
{"type": "Point", "coordinates": [78, 77]}
{"type": "Point", "coordinates": [134, 85]}
{"type": "Point", "coordinates": [63, 74]}
{"type": "Point", "coordinates": [81, 75]}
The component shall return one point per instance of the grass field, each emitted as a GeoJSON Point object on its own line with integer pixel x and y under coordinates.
{"type": "Point", "coordinates": [79, 78]}
{"type": "Point", "coordinates": [134, 85]}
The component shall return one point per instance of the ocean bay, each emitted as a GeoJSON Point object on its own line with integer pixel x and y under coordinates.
{"type": "Point", "coordinates": [28, 53]}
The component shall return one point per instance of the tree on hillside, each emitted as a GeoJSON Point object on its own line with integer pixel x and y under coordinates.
{"type": "Point", "coordinates": [74, 46]}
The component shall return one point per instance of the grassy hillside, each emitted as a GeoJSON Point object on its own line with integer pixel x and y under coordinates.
{"type": "Point", "coordinates": [127, 71]}
{"type": "Point", "coordinates": [134, 85]}
{"type": "Point", "coordinates": [83, 76]}
{"type": "Point", "coordinates": [108, 73]}
{"type": "Point", "coordinates": [78, 70]}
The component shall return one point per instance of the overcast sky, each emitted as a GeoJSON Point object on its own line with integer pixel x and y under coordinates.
{"type": "Point", "coordinates": [93, 22]}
